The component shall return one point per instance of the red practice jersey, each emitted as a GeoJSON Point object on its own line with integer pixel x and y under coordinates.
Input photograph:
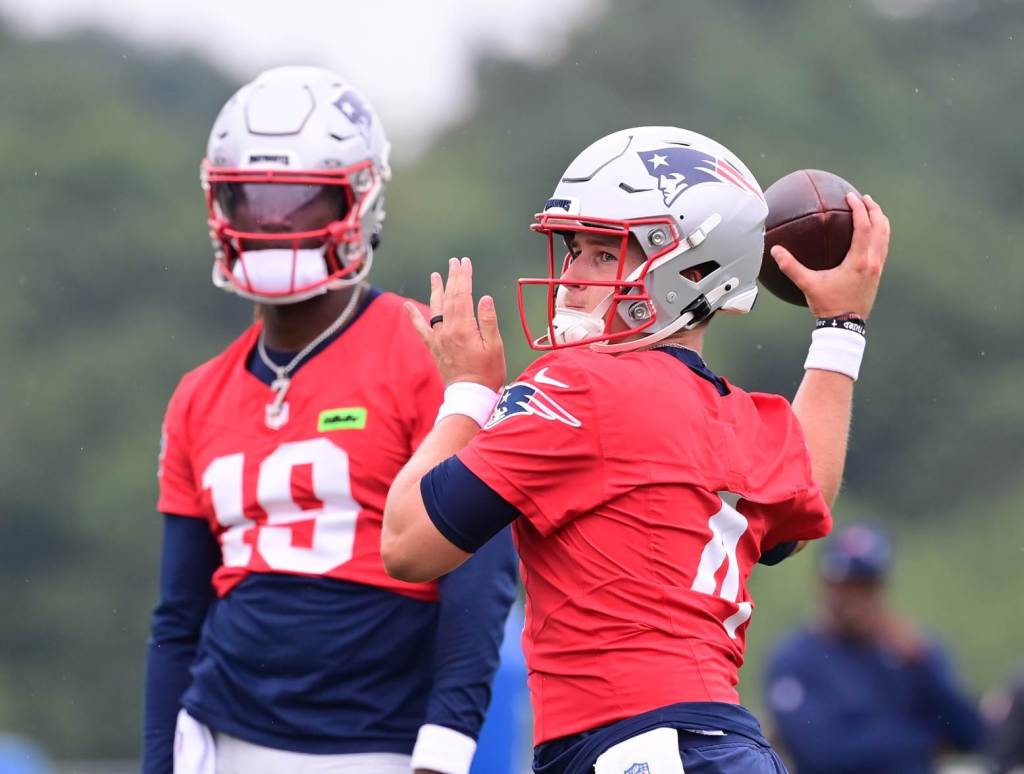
{"type": "Point", "coordinates": [308, 498]}
{"type": "Point", "coordinates": [646, 499]}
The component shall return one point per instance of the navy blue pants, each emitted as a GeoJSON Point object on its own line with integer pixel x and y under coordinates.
{"type": "Point", "coordinates": [730, 754]}
{"type": "Point", "coordinates": [741, 750]}
{"type": "Point", "coordinates": [727, 755]}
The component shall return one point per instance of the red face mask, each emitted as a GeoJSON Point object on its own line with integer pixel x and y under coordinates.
{"type": "Point", "coordinates": [285, 235]}
{"type": "Point", "coordinates": [567, 328]}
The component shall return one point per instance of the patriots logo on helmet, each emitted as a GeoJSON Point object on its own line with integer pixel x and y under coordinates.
{"type": "Point", "coordinates": [678, 168]}
{"type": "Point", "coordinates": [355, 110]}
{"type": "Point", "coordinates": [526, 399]}
{"type": "Point", "coordinates": [638, 768]}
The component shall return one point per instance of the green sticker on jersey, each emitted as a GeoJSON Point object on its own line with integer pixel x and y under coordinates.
{"type": "Point", "coordinates": [341, 419]}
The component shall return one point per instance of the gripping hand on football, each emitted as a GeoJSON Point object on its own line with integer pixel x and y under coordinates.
{"type": "Point", "coordinates": [852, 285]}
{"type": "Point", "coordinates": [466, 347]}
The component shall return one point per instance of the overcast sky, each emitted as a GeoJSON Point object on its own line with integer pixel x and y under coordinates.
{"type": "Point", "coordinates": [413, 59]}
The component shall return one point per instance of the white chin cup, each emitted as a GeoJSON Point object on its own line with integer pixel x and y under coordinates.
{"type": "Point", "coordinates": [572, 325]}
{"type": "Point", "coordinates": [281, 272]}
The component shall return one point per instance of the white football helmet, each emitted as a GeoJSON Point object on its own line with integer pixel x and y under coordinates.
{"type": "Point", "coordinates": [690, 204]}
{"type": "Point", "coordinates": [294, 178]}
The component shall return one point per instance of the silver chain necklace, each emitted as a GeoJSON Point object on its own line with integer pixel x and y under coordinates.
{"type": "Point", "coordinates": [277, 411]}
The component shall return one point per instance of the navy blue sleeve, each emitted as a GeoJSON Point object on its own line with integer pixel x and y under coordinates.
{"type": "Point", "coordinates": [475, 600]}
{"type": "Point", "coordinates": [189, 557]}
{"type": "Point", "coordinates": [463, 508]}
{"type": "Point", "coordinates": [777, 553]}
{"type": "Point", "coordinates": [957, 719]}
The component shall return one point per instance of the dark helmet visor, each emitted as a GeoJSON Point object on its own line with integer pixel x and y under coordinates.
{"type": "Point", "coordinates": [280, 207]}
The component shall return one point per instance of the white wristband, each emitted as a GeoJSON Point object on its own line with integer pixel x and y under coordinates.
{"type": "Point", "coordinates": [836, 349]}
{"type": "Point", "coordinates": [469, 399]}
{"type": "Point", "coordinates": [442, 749]}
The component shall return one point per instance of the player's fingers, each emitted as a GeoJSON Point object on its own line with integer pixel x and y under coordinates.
{"type": "Point", "coordinates": [880, 231]}
{"type": "Point", "coordinates": [461, 293]}
{"type": "Point", "coordinates": [859, 211]}
{"type": "Point", "coordinates": [466, 284]}
{"type": "Point", "coordinates": [436, 294]}
{"type": "Point", "coordinates": [448, 305]}
{"type": "Point", "coordinates": [421, 326]}
{"type": "Point", "coordinates": [791, 267]}
{"type": "Point", "coordinates": [488, 317]}
{"type": "Point", "coordinates": [861, 226]}
{"type": "Point", "coordinates": [872, 208]}
{"type": "Point", "coordinates": [884, 253]}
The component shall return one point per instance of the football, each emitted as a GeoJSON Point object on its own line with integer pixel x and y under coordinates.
{"type": "Point", "coordinates": [809, 216]}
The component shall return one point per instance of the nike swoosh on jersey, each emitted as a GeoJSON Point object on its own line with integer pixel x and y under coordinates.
{"type": "Point", "coordinates": [541, 377]}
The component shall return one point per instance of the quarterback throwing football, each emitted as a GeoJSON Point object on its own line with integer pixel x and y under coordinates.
{"type": "Point", "coordinates": [280, 644]}
{"type": "Point", "coordinates": [642, 486]}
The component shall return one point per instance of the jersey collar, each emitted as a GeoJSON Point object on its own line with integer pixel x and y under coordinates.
{"type": "Point", "coordinates": [695, 363]}
{"type": "Point", "coordinates": [255, 365]}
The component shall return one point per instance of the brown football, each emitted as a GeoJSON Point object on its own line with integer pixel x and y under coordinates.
{"type": "Point", "coordinates": [808, 215]}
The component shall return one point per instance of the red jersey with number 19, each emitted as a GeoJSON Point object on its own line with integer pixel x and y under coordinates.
{"type": "Point", "coordinates": [306, 498]}
{"type": "Point", "coordinates": [646, 496]}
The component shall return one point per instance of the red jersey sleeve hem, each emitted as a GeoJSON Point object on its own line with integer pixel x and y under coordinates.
{"type": "Point", "coordinates": [811, 518]}
{"type": "Point", "coordinates": [823, 524]}
{"type": "Point", "coordinates": [170, 508]}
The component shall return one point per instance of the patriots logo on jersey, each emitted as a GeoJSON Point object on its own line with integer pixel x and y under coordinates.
{"type": "Point", "coordinates": [678, 168]}
{"type": "Point", "coordinates": [638, 768]}
{"type": "Point", "coordinates": [522, 398]}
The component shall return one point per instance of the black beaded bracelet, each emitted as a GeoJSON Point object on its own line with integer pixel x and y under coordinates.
{"type": "Point", "coordinates": [848, 322]}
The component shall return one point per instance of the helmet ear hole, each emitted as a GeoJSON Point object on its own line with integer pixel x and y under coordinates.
{"type": "Point", "coordinates": [700, 271]}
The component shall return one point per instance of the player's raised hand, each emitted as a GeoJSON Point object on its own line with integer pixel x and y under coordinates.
{"type": "Point", "coordinates": [852, 285]}
{"type": "Point", "coordinates": [467, 347]}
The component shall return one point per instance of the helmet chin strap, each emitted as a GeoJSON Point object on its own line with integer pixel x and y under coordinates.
{"type": "Point", "coordinates": [683, 322]}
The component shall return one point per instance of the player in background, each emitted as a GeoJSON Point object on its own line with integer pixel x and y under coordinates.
{"type": "Point", "coordinates": [279, 643]}
{"type": "Point", "coordinates": [861, 690]}
{"type": "Point", "coordinates": [1004, 712]}
{"type": "Point", "coordinates": [642, 486]}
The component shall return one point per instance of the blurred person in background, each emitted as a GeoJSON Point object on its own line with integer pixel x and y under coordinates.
{"type": "Point", "coordinates": [279, 643]}
{"type": "Point", "coordinates": [1004, 712]}
{"type": "Point", "coordinates": [861, 690]}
